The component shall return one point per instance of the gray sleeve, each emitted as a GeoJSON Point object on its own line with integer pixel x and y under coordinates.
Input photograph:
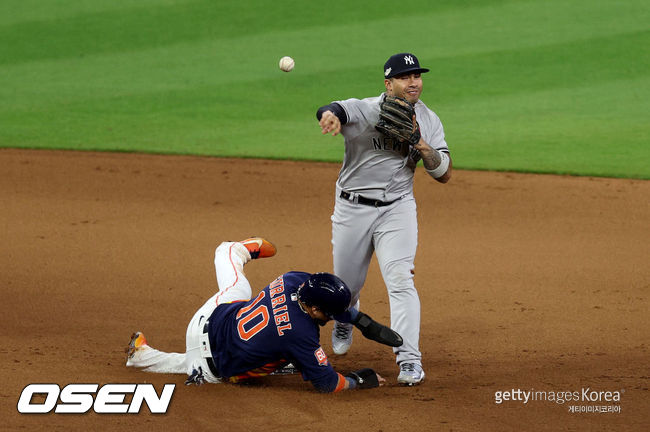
{"type": "Point", "coordinates": [353, 109]}
{"type": "Point", "coordinates": [433, 131]}
{"type": "Point", "coordinates": [438, 141]}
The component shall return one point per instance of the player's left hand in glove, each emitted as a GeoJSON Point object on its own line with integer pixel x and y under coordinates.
{"type": "Point", "coordinates": [373, 330]}
{"type": "Point", "coordinates": [366, 378]}
{"type": "Point", "coordinates": [397, 120]}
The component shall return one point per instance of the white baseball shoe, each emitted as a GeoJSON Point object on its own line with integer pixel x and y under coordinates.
{"type": "Point", "coordinates": [410, 374]}
{"type": "Point", "coordinates": [341, 338]}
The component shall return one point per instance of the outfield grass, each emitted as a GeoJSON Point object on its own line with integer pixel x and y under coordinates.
{"type": "Point", "coordinates": [540, 86]}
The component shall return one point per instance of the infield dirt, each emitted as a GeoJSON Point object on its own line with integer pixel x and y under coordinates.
{"type": "Point", "coordinates": [526, 282]}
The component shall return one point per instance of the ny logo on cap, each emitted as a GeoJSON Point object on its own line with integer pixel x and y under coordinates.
{"type": "Point", "coordinates": [409, 60]}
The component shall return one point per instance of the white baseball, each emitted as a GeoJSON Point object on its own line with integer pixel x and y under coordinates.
{"type": "Point", "coordinates": [286, 63]}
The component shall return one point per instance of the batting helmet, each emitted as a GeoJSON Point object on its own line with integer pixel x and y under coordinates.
{"type": "Point", "coordinates": [327, 292]}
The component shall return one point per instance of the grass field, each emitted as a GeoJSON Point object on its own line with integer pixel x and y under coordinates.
{"type": "Point", "coordinates": [540, 85]}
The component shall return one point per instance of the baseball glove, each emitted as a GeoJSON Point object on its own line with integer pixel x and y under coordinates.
{"type": "Point", "coordinates": [397, 120]}
{"type": "Point", "coordinates": [366, 378]}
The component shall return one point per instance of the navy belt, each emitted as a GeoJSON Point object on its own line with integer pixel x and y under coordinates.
{"type": "Point", "coordinates": [209, 360]}
{"type": "Point", "coordinates": [366, 201]}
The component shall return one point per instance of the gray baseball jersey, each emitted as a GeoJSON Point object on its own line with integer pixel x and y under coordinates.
{"type": "Point", "coordinates": [366, 149]}
{"type": "Point", "coordinates": [377, 168]}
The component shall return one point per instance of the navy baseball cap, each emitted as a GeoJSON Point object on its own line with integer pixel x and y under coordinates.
{"type": "Point", "coordinates": [402, 63]}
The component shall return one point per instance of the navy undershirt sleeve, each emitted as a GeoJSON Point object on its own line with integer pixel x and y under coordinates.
{"type": "Point", "coordinates": [326, 384]}
{"type": "Point", "coordinates": [336, 109]}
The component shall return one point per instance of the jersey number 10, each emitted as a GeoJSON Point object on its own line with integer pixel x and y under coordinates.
{"type": "Point", "coordinates": [249, 314]}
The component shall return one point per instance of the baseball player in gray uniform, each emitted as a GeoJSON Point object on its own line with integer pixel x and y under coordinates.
{"type": "Point", "coordinates": [375, 209]}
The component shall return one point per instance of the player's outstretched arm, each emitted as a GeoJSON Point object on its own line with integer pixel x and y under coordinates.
{"type": "Point", "coordinates": [330, 123]}
{"type": "Point", "coordinates": [378, 332]}
{"type": "Point", "coordinates": [370, 328]}
{"type": "Point", "coordinates": [361, 379]}
{"type": "Point", "coordinates": [330, 118]}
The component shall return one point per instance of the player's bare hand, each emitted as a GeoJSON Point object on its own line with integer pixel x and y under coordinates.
{"type": "Point", "coordinates": [424, 148]}
{"type": "Point", "coordinates": [381, 379]}
{"type": "Point", "coordinates": [329, 122]}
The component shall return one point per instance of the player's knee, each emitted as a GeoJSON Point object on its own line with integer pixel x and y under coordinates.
{"type": "Point", "coordinates": [220, 248]}
{"type": "Point", "coordinates": [399, 277]}
{"type": "Point", "coordinates": [223, 249]}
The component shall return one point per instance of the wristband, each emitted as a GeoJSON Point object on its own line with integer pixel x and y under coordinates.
{"type": "Point", "coordinates": [441, 169]}
{"type": "Point", "coordinates": [352, 383]}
